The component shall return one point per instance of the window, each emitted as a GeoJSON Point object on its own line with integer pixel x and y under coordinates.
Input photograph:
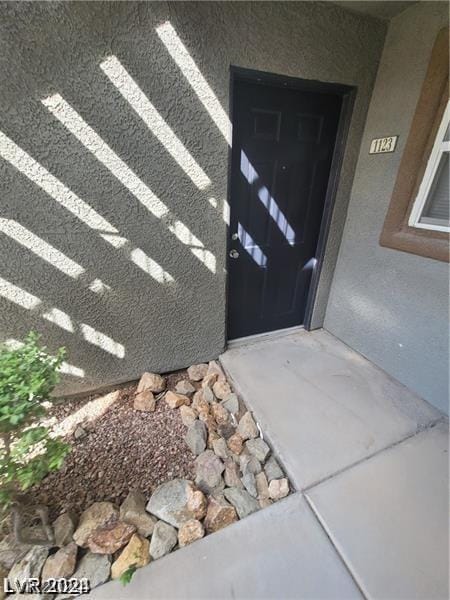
{"type": "Point", "coordinates": [432, 204]}
{"type": "Point", "coordinates": [417, 220]}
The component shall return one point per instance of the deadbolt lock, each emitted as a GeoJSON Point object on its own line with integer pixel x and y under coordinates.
{"type": "Point", "coordinates": [235, 236]}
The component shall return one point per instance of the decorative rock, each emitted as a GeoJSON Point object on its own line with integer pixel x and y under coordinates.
{"type": "Point", "coordinates": [200, 404]}
{"type": "Point", "coordinates": [145, 401]}
{"type": "Point", "coordinates": [136, 553]}
{"type": "Point", "coordinates": [258, 448]}
{"type": "Point", "coordinates": [188, 415]}
{"type": "Point", "coordinates": [226, 430]}
{"type": "Point", "coordinates": [273, 470]}
{"type": "Point", "coordinates": [221, 389]}
{"type": "Point", "coordinates": [185, 387]}
{"type": "Point", "coordinates": [235, 443]}
{"type": "Point", "coordinates": [174, 400]}
{"type": "Point", "coordinates": [30, 565]}
{"type": "Point", "coordinates": [189, 532]}
{"type": "Point", "coordinates": [262, 486]}
{"type": "Point", "coordinates": [209, 469]}
{"type": "Point", "coordinates": [3, 576]}
{"type": "Point", "coordinates": [133, 511]}
{"type": "Point", "coordinates": [209, 421]}
{"type": "Point", "coordinates": [220, 448]}
{"type": "Point", "coordinates": [79, 433]}
{"type": "Point", "coordinates": [95, 568]}
{"type": "Point", "coordinates": [209, 380]}
{"type": "Point", "coordinates": [242, 501]}
{"type": "Point", "coordinates": [62, 563]}
{"type": "Point", "coordinates": [152, 382]}
{"type": "Point", "coordinates": [265, 502]}
{"type": "Point", "coordinates": [250, 484]}
{"type": "Point", "coordinates": [197, 504]}
{"type": "Point", "coordinates": [247, 427]}
{"type": "Point", "coordinates": [220, 414]}
{"type": "Point", "coordinates": [196, 437]}
{"type": "Point", "coordinates": [110, 538]}
{"type": "Point", "coordinates": [164, 538]}
{"type": "Point", "coordinates": [249, 464]}
{"type": "Point", "coordinates": [220, 514]}
{"type": "Point", "coordinates": [97, 515]}
{"type": "Point", "coordinates": [63, 528]}
{"type": "Point", "coordinates": [278, 488]}
{"type": "Point", "coordinates": [214, 367]}
{"type": "Point", "coordinates": [231, 403]}
{"type": "Point", "coordinates": [197, 372]}
{"type": "Point", "coordinates": [176, 502]}
{"type": "Point", "coordinates": [231, 476]}
{"type": "Point", "coordinates": [208, 395]}
{"type": "Point", "coordinates": [212, 437]}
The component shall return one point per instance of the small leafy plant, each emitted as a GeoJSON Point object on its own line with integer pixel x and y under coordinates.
{"type": "Point", "coordinates": [127, 575]}
{"type": "Point", "coordinates": [28, 375]}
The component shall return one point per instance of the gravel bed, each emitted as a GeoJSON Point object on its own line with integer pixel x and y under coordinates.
{"type": "Point", "coordinates": [124, 449]}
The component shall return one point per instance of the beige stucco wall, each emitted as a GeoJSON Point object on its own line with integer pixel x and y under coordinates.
{"type": "Point", "coordinates": [389, 305]}
{"type": "Point", "coordinates": [157, 238]}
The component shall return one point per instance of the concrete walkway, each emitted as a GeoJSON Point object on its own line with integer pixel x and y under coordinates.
{"type": "Point", "coordinates": [370, 462]}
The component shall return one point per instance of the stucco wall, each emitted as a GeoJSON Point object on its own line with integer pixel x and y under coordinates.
{"type": "Point", "coordinates": [389, 305]}
{"type": "Point", "coordinates": [157, 238]}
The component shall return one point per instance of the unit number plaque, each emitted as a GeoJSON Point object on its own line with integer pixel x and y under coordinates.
{"type": "Point", "coordinates": [384, 144]}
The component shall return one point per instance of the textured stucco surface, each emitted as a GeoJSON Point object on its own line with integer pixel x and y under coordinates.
{"type": "Point", "coordinates": [57, 48]}
{"type": "Point", "coordinates": [389, 305]}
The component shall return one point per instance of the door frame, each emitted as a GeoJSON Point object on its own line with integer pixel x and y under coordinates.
{"type": "Point", "coordinates": [348, 94]}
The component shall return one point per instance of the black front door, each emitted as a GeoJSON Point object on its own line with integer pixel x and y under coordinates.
{"type": "Point", "coordinates": [283, 141]}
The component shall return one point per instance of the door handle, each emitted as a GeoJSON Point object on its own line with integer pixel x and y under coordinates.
{"type": "Point", "coordinates": [234, 253]}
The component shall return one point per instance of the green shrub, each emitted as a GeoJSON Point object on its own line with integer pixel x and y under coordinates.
{"type": "Point", "coordinates": [28, 375]}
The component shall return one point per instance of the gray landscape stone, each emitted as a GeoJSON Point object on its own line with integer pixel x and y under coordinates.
{"type": "Point", "coordinates": [249, 464]}
{"type": "Point", "coordinates": [208, 395]}
{"type": "Point", "coordinates": [242, 501]}
{"type": "Point", "coordinates": [63, 528]}
{"type": "Point", "coordinates": [164, 538]}
{"type": "Point", "coordinates": [258, 448]}
{"type": "Point", "coordinates": [249, 482]}
{"type": "Point", "coordinates": [169, 501]}
{"type": "Point", "coordinates": [226, 430]}
{"type": "Point", "coordinates": [209, 469]}
{"type": "Point", "coordinates": [221, 449]}
{"type": "Point", "coordinates": [196, 437]}
{"type": "Point", "coordinates": [94, 567]}
{"type": "Point", "coordinates": [133, 511]}
{"type": "Point", "coordinates": [184, 387]}
{"type": "Point", "coordinates": [273, 470]}
{"type": "Point", "coordinates": [30, 565]}
{"type": "Point", "coordinates": [231, 403]}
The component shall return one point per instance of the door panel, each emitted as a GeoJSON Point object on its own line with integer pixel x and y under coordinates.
{"type": "Point", "coordinates": [283, 142]}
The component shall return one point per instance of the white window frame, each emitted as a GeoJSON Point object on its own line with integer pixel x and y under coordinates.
{"type": "Point", "coordinates": [440, 146]}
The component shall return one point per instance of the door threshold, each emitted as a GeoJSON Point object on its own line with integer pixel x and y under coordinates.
{"type": "Point", "coordinates": [259, 337]}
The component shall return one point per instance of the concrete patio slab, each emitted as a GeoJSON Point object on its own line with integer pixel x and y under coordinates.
{"type": "Point", "coordinates": [322, 405]}
{"type": "Point", "coordinates": [388, 517]}
{"type": "Point", "coordinates": [279, 552]}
